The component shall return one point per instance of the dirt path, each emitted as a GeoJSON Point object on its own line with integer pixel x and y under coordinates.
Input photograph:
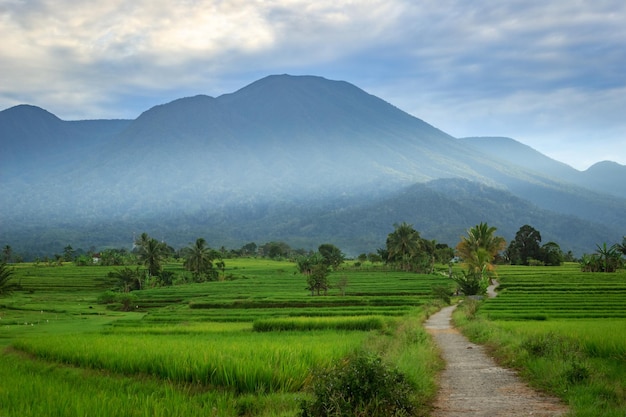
{"type": "Point", "coordinates": [473, 385]}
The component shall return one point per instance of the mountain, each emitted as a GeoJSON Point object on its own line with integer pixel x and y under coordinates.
{"type": "Point", "coordinates": [301, 159]}
{"type": "Point", "coordinates": [604, 176]}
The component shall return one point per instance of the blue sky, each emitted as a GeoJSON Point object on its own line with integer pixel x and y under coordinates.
{"type": "Point", "coordinates": [548, 73]}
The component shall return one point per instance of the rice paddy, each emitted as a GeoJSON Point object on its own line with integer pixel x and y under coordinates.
{"type": "Point", "coordinates": [245, 345]}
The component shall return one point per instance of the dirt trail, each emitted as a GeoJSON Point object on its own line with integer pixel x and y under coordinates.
{"type": "Point", "coordinates": [473, 385]}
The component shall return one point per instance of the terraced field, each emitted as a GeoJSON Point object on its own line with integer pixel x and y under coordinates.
{"type": "Point", "coordinates": [244, 345]}
{"type": "Point", "coordinates": [543, 293]}
{"type": "Point", "coordinates": [562, 329]}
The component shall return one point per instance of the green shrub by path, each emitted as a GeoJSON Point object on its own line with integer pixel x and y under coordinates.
{"type": "Point", "coordinates": [360, 385]}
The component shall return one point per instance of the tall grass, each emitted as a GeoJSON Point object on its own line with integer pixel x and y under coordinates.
{"type": "Point", "coordinates": [31, 388]}
{"type": "Point", "coordinates": [319, 323]}
{"type": "Point", "coordinates": [171, 359]}
{"type": "Point", "coordinates": [246, 362]}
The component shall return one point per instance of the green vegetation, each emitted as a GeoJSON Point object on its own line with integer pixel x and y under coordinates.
{"type": "Point", "coordinates": [248, 344]}
{"type": "Point", "coordinates": [564, 330]}
{"type": "Point", "coordinates": [160, 332]}
{"type": "Point", "coordinates": [477, 251]}
{"type": "Point", "coordinates": [7, 285]}
{"type": "Point", "coordinates": [525, 249]}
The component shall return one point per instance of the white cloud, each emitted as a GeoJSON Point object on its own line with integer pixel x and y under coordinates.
{"type": "Point", "coordinates": [528, 69]}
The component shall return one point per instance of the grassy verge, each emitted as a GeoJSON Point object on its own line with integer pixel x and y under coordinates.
{"type": "Point", "coordinates": [581, 361]}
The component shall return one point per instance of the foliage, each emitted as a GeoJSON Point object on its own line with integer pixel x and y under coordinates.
{"type": "Point", "coordinates": [6, 285]}
{"type": "Point", "coordinates": [316, 268]}
{"type": "Point", "coordinates": [128, 279]}
{"type": "Point", "coordinates": [360, 385]}
{"type": "Point", "coordinates": [332, 255]}
{"type": "Point", "coordinates": [152, 253]}
{"type": "Point", "coordinates": [478, 250]}
{"type": "Point", "coordinates": [275, 250]}
{"type": "Point", "coordinates": [317, 280]}
{"type": "Point", "coordinates": [471, 283]}
{"type": "Point", "coordinates": [525, 246]}
{"type": "Point", "coordinates": [199, 260]}
{"type": "Point", "coordinates": [127, 301]}
{"type": "Point", "coordinates": [408, 250]}
{"type": "Point", "coordinates": [606, 259]}
{"type": "Point", "coordinates": [551, 254]}
{"type": "Point", "coordinates": [443, 292]}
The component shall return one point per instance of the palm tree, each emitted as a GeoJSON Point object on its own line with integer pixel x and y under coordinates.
{"type": "Point", "coordinates": [199, 259]}
{"type": "Point", "coordinates": [479, 248]}
{"type": "Point", "coordinates": [151, 255]}
{"type": "Point", "coordinates": [7, 253]}
{"type": "Point", "coordinates": [6, 274]}
{"type": "Point", "coordinates": [610, 257]}
{"type": "Point", "coordinates": [128, 279]}
{"type": "Point", "coordinates": [403, 244]}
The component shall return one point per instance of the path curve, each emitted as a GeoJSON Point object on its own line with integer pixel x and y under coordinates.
{"type": "Point", "coordinates": [473, 385]}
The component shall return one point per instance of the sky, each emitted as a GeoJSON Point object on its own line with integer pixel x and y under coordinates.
{"type": "Point", "coordinates": [548, 73]}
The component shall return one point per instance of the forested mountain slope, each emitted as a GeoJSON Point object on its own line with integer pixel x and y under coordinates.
{"type": "Point", "coordinates": [283, 158]}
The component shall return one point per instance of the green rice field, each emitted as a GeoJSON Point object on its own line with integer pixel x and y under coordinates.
{"type": "Point", "coordinates": [564, 330]}
{"type": "Point", "coordinates": [242, 346]}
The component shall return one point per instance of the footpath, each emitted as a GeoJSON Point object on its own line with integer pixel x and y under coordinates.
{"type": "Point", "coordinates": [473, 385]}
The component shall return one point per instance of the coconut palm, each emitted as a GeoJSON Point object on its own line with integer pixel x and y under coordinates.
{"type": "Point", "coordinates": [479, 248]}
{"type": "Point", "coordinates": [152, 255]}
{"type": "Point", "coordinates": [199, 259]}
{"type": "Point", "coordinates": [6, 286]}
{"type": "Point", "coordinates": [7, 253]}
{"type": "Point", "coordinates": [403, 244]}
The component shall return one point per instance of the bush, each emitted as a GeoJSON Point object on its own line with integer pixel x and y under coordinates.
{"type": "Point", "coordinates": [107, 297]}
{"type": "Point", "coordinates": [360, 385]}
{"type": "Point", "coordinates": [442, 292]}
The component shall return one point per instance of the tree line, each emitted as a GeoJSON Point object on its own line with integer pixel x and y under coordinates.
{"type": "Point", "coordinates": [405, 250]}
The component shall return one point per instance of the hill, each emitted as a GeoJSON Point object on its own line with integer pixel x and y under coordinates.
{"type": "Point", "coordinates": [284, 158]}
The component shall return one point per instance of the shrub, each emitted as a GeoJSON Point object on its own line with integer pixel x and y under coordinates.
{"type": "Point", "coordinates": [107, 297]}
{"type": "Point", "coordinates": [360, 385]}
{"type": "Point", "coordinates": [442, 292]}
{"type": "Point", "coordinates": [576, 372]}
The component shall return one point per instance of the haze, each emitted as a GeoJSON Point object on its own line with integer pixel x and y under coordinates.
{"type": "Point", "coordinates": [549, 74]}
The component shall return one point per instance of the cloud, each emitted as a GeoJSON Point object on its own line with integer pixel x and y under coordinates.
{"type": "Point", "coordinates": [521, 68]}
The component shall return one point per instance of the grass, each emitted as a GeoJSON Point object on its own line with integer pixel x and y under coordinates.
{"type": "Point", "coordinates": [191, 349]}
{"type": "Point", "coordinates": [576, 351]}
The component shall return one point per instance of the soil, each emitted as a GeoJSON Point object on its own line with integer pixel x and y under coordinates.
{"type": "Point", "coordinates": [472, 384]}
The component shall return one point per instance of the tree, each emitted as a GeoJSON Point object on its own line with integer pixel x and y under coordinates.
{"type": "Point", "coordinates": [477, 250]}
{"type": "Point", "coordinates": [6, 285]}
{"type": "Point", "coordinates": [306, 264]}
{"type": "Point", "coordinates": [68, 253]}
{"type": "Point", "coordinates": [317, 280]}
{"type": "Point", "coordinates": [551, 254]}
{"type": "Point", "coordinates": [199, 260]}
{"type": "Point", "coordinates": [276, 250]}
{"type": "Point", "coordinates": [525, 246]}
{"type": "Point", "coordinates": [332, 255]}
{"type": "Point", "coordinates": [622, 247]}
{"type": "Point", "coordinates": [128, 279]}
{"type": "Point", "coordinates": [151, 254]}
{"type": "Point", "coordinates": [609, 257]}
{"type": "Point", "coordinates": [7, 253]}
{"type": "Point", "coordinates": [249, 249]}
{"type": "Point", "coordinates": [403, 245]}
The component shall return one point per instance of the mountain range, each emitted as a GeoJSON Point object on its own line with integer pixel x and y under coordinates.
{"type": "Point", "coordinates": [300, 159]}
